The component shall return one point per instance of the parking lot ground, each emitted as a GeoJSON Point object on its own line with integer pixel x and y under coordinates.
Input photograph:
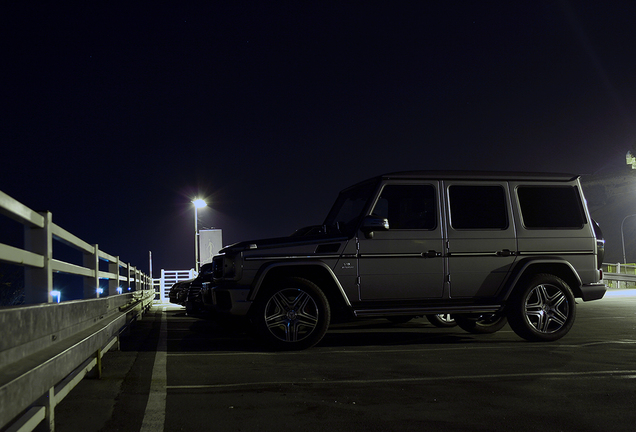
{"type": "Point", "coordinates": [365, 376]}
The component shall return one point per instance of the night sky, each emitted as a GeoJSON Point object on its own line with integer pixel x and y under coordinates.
{"type": "Point", "coordinates": [115, 115]}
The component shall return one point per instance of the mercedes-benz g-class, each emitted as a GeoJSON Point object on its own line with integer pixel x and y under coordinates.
{"type": "Point", "coordinates": [484, 247]}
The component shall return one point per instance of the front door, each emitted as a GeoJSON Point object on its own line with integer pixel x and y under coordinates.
{"type": "Point", "coordinates": [405, 262]}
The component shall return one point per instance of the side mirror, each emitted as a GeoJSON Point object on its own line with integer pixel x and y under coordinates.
{"type": "Point", "coordinates": [373, 223]}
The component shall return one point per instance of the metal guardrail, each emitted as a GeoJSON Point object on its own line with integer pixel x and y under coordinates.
{"type": "Point", "coordinates": [46, 348]}
{"type": "Point", "coordinates": [619, 275]}
{"type": "Point", "coordinates": [49, 348]}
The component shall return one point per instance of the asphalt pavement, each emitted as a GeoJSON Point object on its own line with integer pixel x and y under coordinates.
{"type": "Point", "coordinates": [186, 373]}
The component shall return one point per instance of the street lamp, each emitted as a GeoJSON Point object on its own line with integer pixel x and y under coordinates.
{"type": "Point", "coordinates": [198, 203]}
{"type": "Point", "coordinates": [623, 236]}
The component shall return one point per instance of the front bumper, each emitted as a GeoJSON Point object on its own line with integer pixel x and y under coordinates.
{"type": "Point", "coordinates": [227, 300]}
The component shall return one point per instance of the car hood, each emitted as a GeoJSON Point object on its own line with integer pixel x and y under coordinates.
{"type": "Point", "coordinates": [280, 242]}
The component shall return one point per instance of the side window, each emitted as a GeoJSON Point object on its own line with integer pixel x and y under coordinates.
{"type": "Point", "coordinates": [408, 206]}
{"type": "Point", "coordinates": [551, 207]}
{"type": "Point", "coordinates": [477, 207]}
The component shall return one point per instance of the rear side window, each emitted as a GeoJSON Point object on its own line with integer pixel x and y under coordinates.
{"type": "Point", "coordinates": [551, 207]}
{"type": "Point", "coordinates": [478, 207]}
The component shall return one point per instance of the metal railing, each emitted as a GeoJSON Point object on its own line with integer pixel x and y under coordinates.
{"type": "Point", "coordinates": [46, 348]}
{"type": "Point", "coordinates": [619, 275]}
{"type": "Point", "coordinates": [41, 235]}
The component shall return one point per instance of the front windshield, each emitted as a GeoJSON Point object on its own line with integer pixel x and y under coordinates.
{"type": "Point", "coordinates": [347, 211]}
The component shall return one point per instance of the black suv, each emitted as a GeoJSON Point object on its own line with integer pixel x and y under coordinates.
{"type": "Point", "coordinates": [484, 247]}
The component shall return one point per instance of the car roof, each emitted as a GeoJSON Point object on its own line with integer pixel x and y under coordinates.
{"type": "Point", "coordinates": [479, 175]}
{"type": "Point", "coordinates": [468, 175]}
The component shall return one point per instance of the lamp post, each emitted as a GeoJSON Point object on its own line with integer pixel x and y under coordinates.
{"type": "Point", "coordinates": [623, 236]}
{"type": "Point", "coordinates": [198, 203]}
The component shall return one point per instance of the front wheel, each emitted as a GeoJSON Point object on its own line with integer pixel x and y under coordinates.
{"type": "Point", "coordinates": [293, 314]}
{"type": "Point", "coordinates": [543, 309]}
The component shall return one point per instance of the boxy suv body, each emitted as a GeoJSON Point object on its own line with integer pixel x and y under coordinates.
{"type": "Point", "coordinates": [484, 247]}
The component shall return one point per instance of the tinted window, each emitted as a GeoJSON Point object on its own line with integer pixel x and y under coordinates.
{"type": "Point", "coordinates": [408, 206]}
{"type": "Point", "coordinates": [478, 207]}
{"type": "Point", "coordinates": [347, 211]}
{"type": "Point", "coordinates": [551, 207]}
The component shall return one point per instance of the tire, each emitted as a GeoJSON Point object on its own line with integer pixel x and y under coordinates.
{"type": "Point", "coordinates": [481, 323]}
{"type": "Point", "coordinates": [294, 314]}
{"type": "Point", "coordinates": [441, 320]}
{"type": "Point", "coordinates": [543, 309]}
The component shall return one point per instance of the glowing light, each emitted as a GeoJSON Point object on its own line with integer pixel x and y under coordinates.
{"type": "Point", "coordinates": [199, 203]}
{"type": "Point", "coordinates": [119, 290]}
{"type": "Point", "coordinates": [57, 295]}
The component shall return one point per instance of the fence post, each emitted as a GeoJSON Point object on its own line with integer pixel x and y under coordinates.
{"type": "Point", "coordinates": [132, 281]}
{"type": "Point", "coordinates": [162, 283]}
{"type": "Point", "coordinates": [48, 402]}
{"type": "Point", "coordinates": [113, 284]}
{"type": "Point", "coordinates": [128, 270]}
{"type": "Point", "coordinates": [91, 283]}
{"type": "Point", "coordinates": [38, 282]}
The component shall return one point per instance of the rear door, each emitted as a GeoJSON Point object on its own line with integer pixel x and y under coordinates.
{"type": "Point", "coordinates": [481, 236]}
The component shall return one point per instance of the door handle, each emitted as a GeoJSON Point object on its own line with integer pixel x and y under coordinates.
{"type": "Point", "coordinates": [431, 254]}
{"type": "Point", "coordinates": [505, 253]}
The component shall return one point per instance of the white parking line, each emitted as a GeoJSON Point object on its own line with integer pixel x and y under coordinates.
{"type": "Point", "coordinates": [155, 414]}
{"type": "Point", "coordinates": [319, 351]}
{"type": "Point", "coordinates": [550, 375]}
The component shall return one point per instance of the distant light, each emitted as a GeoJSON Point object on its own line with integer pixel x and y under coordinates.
{"type": "Point", "coordinates": [57, 294]}
{"type": "Point", "coordinates": [199, 203]}
{"type": "Point", "coordinates": [119, 290]}
{"type": "Point", "coordinates": [100, 290]}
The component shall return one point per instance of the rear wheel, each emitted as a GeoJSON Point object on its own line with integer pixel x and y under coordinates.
{"type": "Point", "coordinates": [293, 314]}
{"type": "Point", "coordinates": [543, 309]}
{"type": "Point", "coordinates": [481, 323]}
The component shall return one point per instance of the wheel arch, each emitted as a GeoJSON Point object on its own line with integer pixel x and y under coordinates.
{"type": "Point", "coordinates": [527, 269]}
{"type": "Point", "coordinates": [316, 272]}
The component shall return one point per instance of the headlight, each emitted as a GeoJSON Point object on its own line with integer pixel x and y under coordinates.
{"type": "Point", "coordinates": [223, 267]}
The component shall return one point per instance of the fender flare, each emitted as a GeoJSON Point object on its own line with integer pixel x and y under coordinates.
{"type": "Point", "coordinates": [522, 267]}
{"type": "Point", "coordinates": [266, 269]}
